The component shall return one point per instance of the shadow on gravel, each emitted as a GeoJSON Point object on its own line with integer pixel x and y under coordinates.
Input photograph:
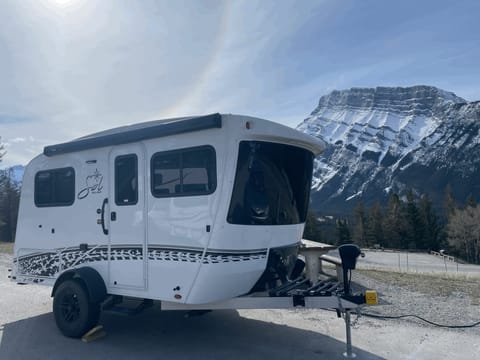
{"type": "Point", "coordinates": [169, 335]}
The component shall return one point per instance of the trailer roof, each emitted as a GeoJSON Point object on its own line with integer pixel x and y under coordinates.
{"type": "Point", "coordinates": [137, 132]}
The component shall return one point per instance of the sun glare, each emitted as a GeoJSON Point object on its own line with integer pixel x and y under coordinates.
{"type": "Point", "coordinates": [62, 3]}
{"type": "Point", "coordinates": [63, 7]}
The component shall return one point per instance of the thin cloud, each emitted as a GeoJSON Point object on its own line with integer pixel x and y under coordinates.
{"type": "Point", "coordinates": [77, 69]}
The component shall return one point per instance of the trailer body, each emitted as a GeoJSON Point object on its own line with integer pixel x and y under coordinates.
{"type": "Point", "coordinates": [190, 210]}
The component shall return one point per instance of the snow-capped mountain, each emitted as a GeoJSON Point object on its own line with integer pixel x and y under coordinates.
{"type": "Point", "coordinates": [389, 139]}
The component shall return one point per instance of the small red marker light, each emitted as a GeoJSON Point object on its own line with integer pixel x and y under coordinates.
{"type": "Point", "coordinates": [178, 296]}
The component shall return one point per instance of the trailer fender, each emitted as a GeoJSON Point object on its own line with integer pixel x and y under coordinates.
{"type": "Point", "coordinates": [90, 278]}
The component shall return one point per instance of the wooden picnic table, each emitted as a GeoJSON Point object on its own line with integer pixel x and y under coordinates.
{"type": "Point", "coordinates": [312, 251]}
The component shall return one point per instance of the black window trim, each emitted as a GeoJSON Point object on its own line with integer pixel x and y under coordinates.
{"type": "Point", "coordinates": [53, 204]}
{"type": "Point", "coordinates": [183, 150]}
{"type": "Point", "coordinates": [134, 155]}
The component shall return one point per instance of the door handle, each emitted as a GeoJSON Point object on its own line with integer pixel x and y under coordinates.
{"type": "Point", "coordinates": [102, 216]}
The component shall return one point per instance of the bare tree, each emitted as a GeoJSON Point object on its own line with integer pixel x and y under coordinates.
{"type": "Point", "coordinates": [464, 233]}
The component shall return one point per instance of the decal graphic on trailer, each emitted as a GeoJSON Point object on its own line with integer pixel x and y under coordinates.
{"type": "Point", "coordinates": [93, 185]}
{"type": "Point", "coordinates": [48, 264]}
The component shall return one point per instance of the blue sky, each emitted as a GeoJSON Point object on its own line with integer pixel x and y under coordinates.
{"type": "Point", "coordinates": [72, 67]}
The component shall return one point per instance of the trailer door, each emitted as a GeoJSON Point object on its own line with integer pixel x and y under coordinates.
{"type": "Point", "coordinates": [127, 217]}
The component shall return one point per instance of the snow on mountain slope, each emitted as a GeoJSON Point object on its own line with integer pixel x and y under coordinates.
{"type": "Point", "coordinates": [389, 139]}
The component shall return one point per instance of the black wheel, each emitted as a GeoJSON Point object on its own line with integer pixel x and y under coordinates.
{"type": "Point", "coordinates": [73, 311]}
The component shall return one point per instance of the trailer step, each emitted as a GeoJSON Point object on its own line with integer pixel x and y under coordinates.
{"type": "Point", "coordinates": [113, 305]}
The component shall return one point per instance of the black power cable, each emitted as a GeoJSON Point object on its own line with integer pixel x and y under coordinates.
{"type": "Point", "coordinates": [347, 278]}
{"type": "Point", "coordinates": [387, 317]}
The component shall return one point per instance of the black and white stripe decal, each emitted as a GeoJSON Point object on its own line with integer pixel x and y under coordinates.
{"type": "Point", "coordinates": [47, 264]}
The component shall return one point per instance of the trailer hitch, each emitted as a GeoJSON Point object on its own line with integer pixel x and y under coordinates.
{"type": "Point", "coordinates": [349, 254]}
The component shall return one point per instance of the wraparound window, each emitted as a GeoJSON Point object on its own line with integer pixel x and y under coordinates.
{"type": "Point", "coordinates": [272, 184]}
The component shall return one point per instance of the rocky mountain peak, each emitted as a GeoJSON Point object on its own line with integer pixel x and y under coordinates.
{"type": "Point", "coordinates": [420, 99]}
{"type": "Point", "coordinates": [388, 139]}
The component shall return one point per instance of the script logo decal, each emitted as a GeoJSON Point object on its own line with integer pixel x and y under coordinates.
{"type": "Point", "coordinates": [94, 185]}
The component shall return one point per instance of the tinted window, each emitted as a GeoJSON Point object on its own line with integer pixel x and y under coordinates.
{"type": "Point", "coordinates": [272, 184]}
{"type": "Point", "coordinates": [126, 180]}
{"type": "Point", "coordinates": [184, 172]}
{"type": "Point", "coordinates": [55, 187]}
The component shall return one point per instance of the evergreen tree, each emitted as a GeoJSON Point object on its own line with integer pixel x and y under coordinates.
{"type": "Point", "coordinates": [360, 224]}
{"type": "Point", "coordinates": [343, 232]}
{"type": "Point", "coordinates": [311, 230]}
{"type": "Point", "coordinates": [415, 227]}
{"type": "Point", "coordinates": [432, 228]}
{"type": "Point", "coordinates": [375, 233]}
{"type": "Point", "coordinates": [450, 204]}
{"type": "Point", "coordinates": [394, 223]}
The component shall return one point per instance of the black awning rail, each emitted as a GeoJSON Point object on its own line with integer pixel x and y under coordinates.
{"type": "Point", "coordinates": [137, 132]}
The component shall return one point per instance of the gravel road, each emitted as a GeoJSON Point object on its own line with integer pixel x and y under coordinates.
{"type": "Point", "coordinates": [27, 329]}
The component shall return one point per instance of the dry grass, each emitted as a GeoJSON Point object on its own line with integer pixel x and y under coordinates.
{"type": "Point", "coordinates": [430, 284]}
{"type": "Point", "coordinates": [6, 247]}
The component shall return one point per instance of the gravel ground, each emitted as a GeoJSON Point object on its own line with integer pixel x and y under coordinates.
{"type": "Point", "coordinates": [27, 329]}
{"type": "Point", "coordinates": [441, 291]}
{"type": "Point", "coordinates": [436, 297]}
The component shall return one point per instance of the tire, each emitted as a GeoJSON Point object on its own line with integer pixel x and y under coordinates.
{"type": "Point", "coordinates": [73, 311]}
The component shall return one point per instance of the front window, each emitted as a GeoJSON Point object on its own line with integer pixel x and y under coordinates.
{"type": "Point", "coordinates": [272, 184]}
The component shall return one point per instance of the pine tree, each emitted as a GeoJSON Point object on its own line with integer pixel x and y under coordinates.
{"type": "Point", "coordinates": [432, 228]}
{"type": "Point", "coordinates": [394, 223]}
{"type": "Point", "coordinates": [311, 230]}
{"type": "Point", "coordinates": [450, 204]}
{"type": "Point", "coordinates": [360, 224]}
{"type": "Point", "coordinates": [374, 232]}
{"type": "Point", "coordinates": [343, 232]}
{"type": "Point", "coordinates": [415, 226]}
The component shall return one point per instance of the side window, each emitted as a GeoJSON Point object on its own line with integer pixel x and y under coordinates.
{"type": "Point", "coordinates": [185, 172]}
{"type": "Point", "coordinates": [166, 174]}
{"type": "Point", "coordinates": [126, 180]}
{"type": "Point", "coordinates": [55, 187]}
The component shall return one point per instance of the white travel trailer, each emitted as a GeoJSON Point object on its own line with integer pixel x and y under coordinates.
{"type": "Point", "coordinates": [188, 211]}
